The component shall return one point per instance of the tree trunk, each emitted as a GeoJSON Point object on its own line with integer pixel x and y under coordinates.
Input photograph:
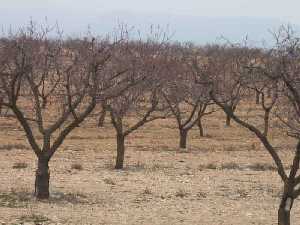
{"type": "Point", "coordinates": [183, 138]}
{"type": "Point", "coordinates": [42, 178]}
{"type": "Point", "coordinates": [120, 151]}
{"type": "Point", "coordinates": [200, 127]}
{"type": "Point", "coordinates": [284, 210]}
{"type": "Point", "coordinates": [228, 120]}
{"type": "Point", "coordinates": [102, 118]}
{"type": "Point", "coordinates": [266, 121]}
{"type": "Point", "coordinates": [257, 97]}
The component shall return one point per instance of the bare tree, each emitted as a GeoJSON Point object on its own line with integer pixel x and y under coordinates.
{"type": "Point", "coordinates": [285, 74]}
{"type": "Point", "coordinates": [206, 105]}
{"type": "Point", "coordinates": [142, 98]}
{"type": "Point", "coordinates": [51, 86]}
{"type": "Point", "coordinates": [122, 106]}
{"type": "Point", "coordinates": [221, 63]}
{"type": "Point", "coordinates": [186, 99]}
{"type": "Point", "coordinates": [256, 76]}
{"type": "Point", "coordinates": [205, 109]}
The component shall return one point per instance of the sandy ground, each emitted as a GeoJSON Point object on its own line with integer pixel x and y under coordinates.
{"type": "Point", "coordinates": [224, 178]}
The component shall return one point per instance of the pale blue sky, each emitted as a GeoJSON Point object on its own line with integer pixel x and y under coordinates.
{"type": "Point", "coordinates": [283, 9]}
{"type": "Point", "coordinates": [226, 16]}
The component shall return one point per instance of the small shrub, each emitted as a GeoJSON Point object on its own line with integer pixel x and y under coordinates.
{"type": "Point", "coordinates": [34, 218]}
{"type": "Point", "coordinates": [201, 195]}
{"type": "Point", "coordinates": [157, 166]}
{"type": "Point", "coordinates": [20, 165]}
{"type": "Point", "coordinates": [230, 166]}
{"type": "Point", "coordinates": [74, 198]}
{"type": "Point", "coordinates": [181, 193]}
{"type": "Point", "coordinates": [209, 166]}
{"type": "Point", "coordinates": [136, 167]}
{"type": "Point", "coordinates": [242, 193]}
{"type": "Point", "coordinates": [76, 166]}
{"type": "Point", "coordinates": [140, 165]}
{"type": "Point", "coordinates": [77, 137]}
{"type": "Point", "coordinates": [261, 167]}
{"type": "Point", "coordinates": [109, 181]}
{"type": "Point", "coordinates": [147, 191]}
{"type": "Point", "coordinates": [229, 148]}
{"type": "Point", "coordinates": [208, 136]}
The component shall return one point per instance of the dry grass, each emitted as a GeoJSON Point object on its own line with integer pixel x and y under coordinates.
{"type": "Point", "coordinates": [73, 198]}
{"type": "Point", "coordinates": [15, 199]}
{"type": "Point", "coordinates": [224, 178]}
{"type": "Point", "coordinates": [35, 219]}
{"type": "Point", "coordinates": [9, 147]}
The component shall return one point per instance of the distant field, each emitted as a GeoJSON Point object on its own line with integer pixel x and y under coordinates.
{"type": "Point", "coordinates": [224, 178]}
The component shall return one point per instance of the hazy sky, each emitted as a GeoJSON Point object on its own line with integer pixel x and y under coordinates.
{"type": "Point", "coordinates": [76, 14]}
{"type": "Point", "coordinates": [283, 9]}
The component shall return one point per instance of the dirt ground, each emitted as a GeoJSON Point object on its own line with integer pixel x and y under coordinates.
{"type": "Point", "coordinates": [224, 178]}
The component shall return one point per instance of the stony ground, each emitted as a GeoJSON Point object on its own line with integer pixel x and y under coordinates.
{"type": "Point", "coordinates": [224, 178]}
